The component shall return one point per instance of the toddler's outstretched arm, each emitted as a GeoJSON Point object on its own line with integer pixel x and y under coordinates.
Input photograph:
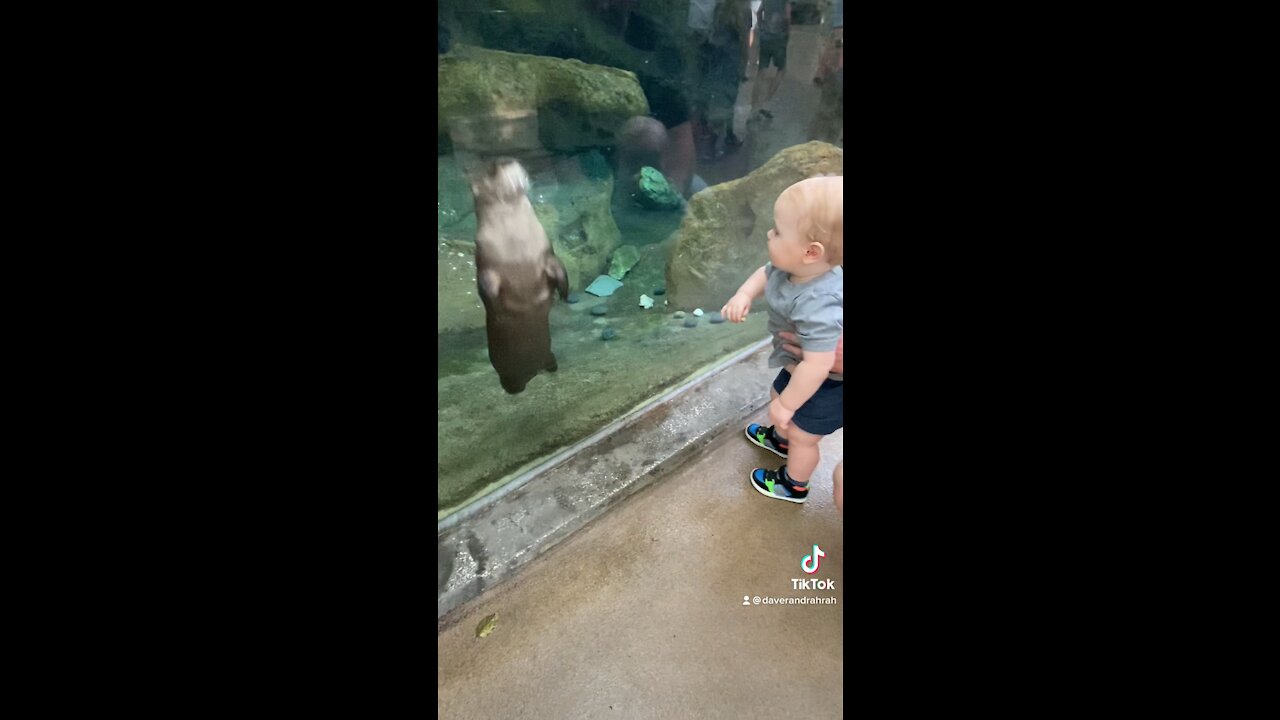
{"type": "Point", "coordinates": [735, 311]}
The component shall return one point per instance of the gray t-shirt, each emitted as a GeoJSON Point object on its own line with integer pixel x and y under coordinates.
{"type": "Point", "coordinates": [814, 311]}
{"type": "Point", "coordinates": [774, 16]}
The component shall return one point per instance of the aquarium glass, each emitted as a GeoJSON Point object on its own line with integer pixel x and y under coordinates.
{"type": "Point", "coordinates": [654, 146]}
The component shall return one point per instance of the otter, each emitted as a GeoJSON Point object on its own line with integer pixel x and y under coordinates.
{"type": "Point", "coordinates": [516, 273]}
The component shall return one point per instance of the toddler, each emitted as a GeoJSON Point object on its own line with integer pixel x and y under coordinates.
{"type": "Point", "coordinates": [803, 282]}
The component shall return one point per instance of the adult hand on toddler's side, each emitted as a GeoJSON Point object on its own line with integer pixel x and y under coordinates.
{"type": "Point", "coordinates": [735, 311]}
{"type": "Point", "coordinates": [837, 368]}
{"type": "Point", "coordinates": [779, 416]}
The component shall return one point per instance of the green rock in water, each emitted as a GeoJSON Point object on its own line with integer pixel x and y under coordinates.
{"type": "Point", "coordinates": [655, 193]}
{"type": "Point", "coordinates": [624, 258]}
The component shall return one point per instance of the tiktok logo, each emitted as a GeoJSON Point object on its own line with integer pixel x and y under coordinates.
{"type": "Point", "coordinates": [815, 557]}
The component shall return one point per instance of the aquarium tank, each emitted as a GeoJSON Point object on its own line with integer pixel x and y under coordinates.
{"type": "Point", "coordinates": [651, 138]}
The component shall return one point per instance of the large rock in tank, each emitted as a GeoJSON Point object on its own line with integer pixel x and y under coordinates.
{"type": "Point", "coordinates": [721, 240]}
{"type": "Point", "coordinates": [489, 99]}
{"type": "Point", "coordinates": [575, 209]}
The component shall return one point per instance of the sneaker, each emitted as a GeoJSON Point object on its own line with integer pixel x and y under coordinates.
{"type": "Point", "coordinates": [765, 438]}
{"type": "Point", "coordinates": [776, 484]}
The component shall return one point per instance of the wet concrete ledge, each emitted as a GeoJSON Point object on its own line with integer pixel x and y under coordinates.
{"type": "Point", "coordinates": [488, 542]}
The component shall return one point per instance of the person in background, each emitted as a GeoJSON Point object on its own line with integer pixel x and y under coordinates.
{"type": "Point", "coordinates": [828, 121]}
{"type": "Point", "coordinates": [773, 27]}
{"type": "Point", "coordinates": [832, 57]}
{"type": "Point", "coordinates": [699, 33]}
{"type": "Point", "coordinates": [700, 14]}
{"type": "Point", "coordinates": [668, 133]}
{"type": "Point", "coordinates": [730, 31]}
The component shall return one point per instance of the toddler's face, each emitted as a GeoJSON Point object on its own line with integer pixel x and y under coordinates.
{"type": "Point", "coordinates": [786, 245]}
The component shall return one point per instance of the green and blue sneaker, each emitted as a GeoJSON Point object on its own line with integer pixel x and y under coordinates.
{"type": "Point", "coordinates": [778, 485]}
{"type": "Point", "coordinates": [767, 439]}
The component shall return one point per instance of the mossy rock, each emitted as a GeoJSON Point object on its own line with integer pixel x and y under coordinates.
{"type": "Point", "coordinates": [575, 211]}
{"type": "Point", "coordinates": [721, 239]}
{"type": "Point", "coordinates": [575, 105]}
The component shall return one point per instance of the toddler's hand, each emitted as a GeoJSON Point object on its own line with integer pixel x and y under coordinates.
{"type": "Point", "coordinates": [779, 415]}
{"type": "Point", "coordinates": [735, 311]}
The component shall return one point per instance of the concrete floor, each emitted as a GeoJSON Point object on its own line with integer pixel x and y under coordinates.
{"type": "Point", "coordinates": [640, 614]}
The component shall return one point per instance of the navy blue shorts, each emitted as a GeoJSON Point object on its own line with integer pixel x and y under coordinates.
{"type": "Point", "coordinates": [823, 414]}
{"type": "Point", "coordinates": [775, 50]}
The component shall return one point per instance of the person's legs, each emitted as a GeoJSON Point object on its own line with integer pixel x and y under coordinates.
{"type": "Point", "coordinates": [802, 454]}
{"type": "Point", "coordinates": [720, 126]}
{"type": "Point", "coordinates": [772, 52]}
{"type": "Point", "coordinates": [774, 81]}
{"type": "Point", "coordinates": [823, 414]}
{"type": "Point", "coordinates": [790, 482]}
{"type": "Point", "coordinates": [768, 437]}
{"type": "Point", "coordinates": [707, 149]}
{"type": "Point", "coordinates": [759, 91]}
{"type": "Point", "coordinates": [678, 157]}
{"type": "Point", "coordinates": [837, 479]}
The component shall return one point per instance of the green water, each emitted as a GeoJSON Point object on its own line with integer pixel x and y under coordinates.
{"type": "Point", "coordinates": [486, 434]}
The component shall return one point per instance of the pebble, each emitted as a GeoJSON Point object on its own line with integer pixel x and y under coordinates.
{"type": "Point", "coordinates": [660, 291]}
{"type": "Point", "coordinates": [691, 321]}
{"type": "Point", "coordinates": [573, 298]}
{"type": "Point", "coordinates": [679, 314]}
{"type": "Point", "coordinates": [698, 312]}
{"type": "Point", "coordinates": [608, 334]}
{"type": "Point", "coordinates": [599, 310]}
{"type": "Point", "coordinates": [716, 317]}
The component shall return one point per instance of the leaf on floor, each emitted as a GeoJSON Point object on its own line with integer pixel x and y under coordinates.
{"type": "Point", "coordinates": [486, 625]}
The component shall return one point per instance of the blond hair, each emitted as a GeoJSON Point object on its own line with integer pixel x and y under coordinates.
{"type": "Point", "coordinates": [820, 202]}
